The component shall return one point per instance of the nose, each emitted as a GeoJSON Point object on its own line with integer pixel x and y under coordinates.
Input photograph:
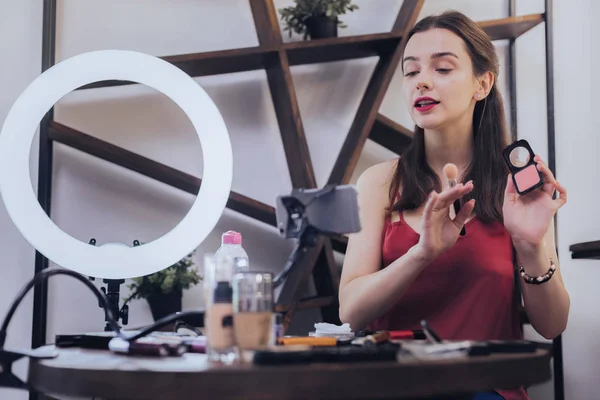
{"type": "Point", "coordinates": [421, 85]}
{"type": "Point", "coordinates": [423, 82]}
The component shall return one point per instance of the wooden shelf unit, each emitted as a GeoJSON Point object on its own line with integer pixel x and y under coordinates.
{"type": "Point", "coordinates": [585, 250]}
{"type": "Point", "coordinates": [316, 51]}
{"type": "Point", "coordinates": [276, 57]}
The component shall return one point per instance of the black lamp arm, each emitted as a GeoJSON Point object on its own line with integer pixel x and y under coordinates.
{"type": "Point", "coordinates": [110, 317]}
{"type": "Point", "coordinates": [41, 277]}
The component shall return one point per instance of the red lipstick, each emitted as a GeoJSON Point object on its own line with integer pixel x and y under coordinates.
{"type": "Point", "coordinates": [423, 104]}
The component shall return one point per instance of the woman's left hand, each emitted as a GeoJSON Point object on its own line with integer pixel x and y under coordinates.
{"type": "Point", "coordinates": [527, 217]}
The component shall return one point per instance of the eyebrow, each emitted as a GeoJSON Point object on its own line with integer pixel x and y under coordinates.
{"type": "Point", "coordinates": [433, 56]}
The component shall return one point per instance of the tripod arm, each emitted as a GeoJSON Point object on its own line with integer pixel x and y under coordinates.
{"type": "Point", "coordinates": [307, 239]}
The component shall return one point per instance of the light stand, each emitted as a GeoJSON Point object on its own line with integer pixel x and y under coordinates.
{"type": "Point", "coordinates": [36, 226]}
{"type": "Point", "coordinates": [112, 292]}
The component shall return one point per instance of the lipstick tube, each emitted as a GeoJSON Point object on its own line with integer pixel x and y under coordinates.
{"type": "Point", "coordinates": [138, 348]}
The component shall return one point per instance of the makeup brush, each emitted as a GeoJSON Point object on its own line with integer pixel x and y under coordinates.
{"type": "Point", "coordinates": [451, 172]}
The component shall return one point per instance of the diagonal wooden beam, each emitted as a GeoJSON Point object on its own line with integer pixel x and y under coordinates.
{"type": "Point", "coordinates": [371, 101]}
{"type": "Point", "coordinates": [407, 16]}
{"type": "Point", "coordinates": [153, 169]}
{"type": "Point", "coordinates": [390, 134]}
{"type": "Point", "coordinates": [295, 146]}
{"type": "Point", "coordinates": [283, 93]}
{"type": "Point", "coordinates": [266, 22]}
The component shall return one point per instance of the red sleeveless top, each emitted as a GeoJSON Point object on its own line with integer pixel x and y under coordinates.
{"type": "Point", "coordinates": [467, 293]}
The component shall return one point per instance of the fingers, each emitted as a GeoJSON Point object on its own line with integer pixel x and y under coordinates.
{"type": "Point", "coordinates": [447, 197]}
{"type": "Point", "coordinates": [550, 183]}
{"type": "Point", "coordinates": [562, 194]}
{"type": "Point", "coordinates": [549, 179]}
{"type": "Point", "coordinates": [463, 214]}
{"type": "Point", "coordinates": [428, 210]}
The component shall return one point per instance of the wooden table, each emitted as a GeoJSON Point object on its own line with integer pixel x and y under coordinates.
{"type": "Point", "coordinates": [101, 374]}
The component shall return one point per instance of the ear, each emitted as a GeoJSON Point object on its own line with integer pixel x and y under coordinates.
{"type": "Point", "coordinates": [485, 84]}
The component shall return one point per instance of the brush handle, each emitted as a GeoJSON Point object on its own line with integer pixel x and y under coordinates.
{"type": "Point", "coordinates": [463, 231]}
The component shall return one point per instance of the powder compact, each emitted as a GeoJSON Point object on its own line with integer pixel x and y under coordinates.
{"type": "Point", "coordinates": [519, 158]}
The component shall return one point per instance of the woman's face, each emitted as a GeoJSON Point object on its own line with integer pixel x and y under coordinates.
{"type": "Point", "coordinates": [439, 85]}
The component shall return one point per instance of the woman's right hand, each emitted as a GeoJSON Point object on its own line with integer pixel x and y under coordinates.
{"type": "Point", "coordinates": [439, 232]}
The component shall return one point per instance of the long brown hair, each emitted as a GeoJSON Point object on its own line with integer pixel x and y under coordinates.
{"type": "Point", "coordinates": [487, 168]}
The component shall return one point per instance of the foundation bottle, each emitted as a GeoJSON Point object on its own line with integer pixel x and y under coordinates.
{"type": "Point", "coordinates": [218, 318]}
{"type": "Point", "coordinates": [252, 311]}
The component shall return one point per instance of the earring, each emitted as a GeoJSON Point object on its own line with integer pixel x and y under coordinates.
{"type": "Point", "coordinates": [478, 95]}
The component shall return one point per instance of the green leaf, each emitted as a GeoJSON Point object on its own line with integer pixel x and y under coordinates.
{"type": "Point", "coordinates": [181, 275]}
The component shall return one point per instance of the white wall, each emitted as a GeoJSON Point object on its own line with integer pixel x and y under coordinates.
{"type": "Point", "coordinates": [92, 198]}
{"type": "Point", "coordinates": [577, 164]}
{"type": "Point", "coordinates": [20, 49]}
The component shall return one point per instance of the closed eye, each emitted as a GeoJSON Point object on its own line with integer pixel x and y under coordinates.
{"type": "Point", "coordinates": [444, 70]}
{"type": "Point", "coordinates": [412, 73]}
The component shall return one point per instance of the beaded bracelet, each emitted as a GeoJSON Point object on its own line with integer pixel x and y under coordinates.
{"type": "Point", "coordinates": [540, 279]}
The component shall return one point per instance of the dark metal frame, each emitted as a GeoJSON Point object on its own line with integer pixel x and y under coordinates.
{"type": "Point", "coordinates": [559, 388]}
{"type": "Point", "coordinates": [512, 74]}
{"type": "Point", "coordinates": [548, 26]}
{"type": "Point", "coordinates": [45, 166]}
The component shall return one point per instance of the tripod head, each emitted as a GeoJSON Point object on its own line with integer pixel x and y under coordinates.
{"type": "Point", "coordinates": [306, 214]}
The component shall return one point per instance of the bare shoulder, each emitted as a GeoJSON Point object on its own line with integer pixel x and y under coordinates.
{"type": "Point", "coordinates": [377, 177]}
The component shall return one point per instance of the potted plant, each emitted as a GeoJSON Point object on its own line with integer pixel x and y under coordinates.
{"type": "Point", "coordinates": [164, 289]}
{"type": "Point", "coordinates": [316, 18]}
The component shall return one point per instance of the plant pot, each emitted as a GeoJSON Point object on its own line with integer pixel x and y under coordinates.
{"type": "Point", "coordinates": [320, 27]}
{"type": "Point", "coordinates": [164, 304]}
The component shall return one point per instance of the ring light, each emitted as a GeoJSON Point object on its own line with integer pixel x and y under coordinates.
{"type": "Point", "coordinates": [113, 260]}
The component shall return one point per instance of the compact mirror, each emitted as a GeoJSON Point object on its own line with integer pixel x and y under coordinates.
{"type": "Point", "coordinates": [519, 156]}
{"type": "Point", "coordinates": [519, 159]}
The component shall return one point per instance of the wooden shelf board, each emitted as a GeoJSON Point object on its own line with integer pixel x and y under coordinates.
{"type": "Point", "coordinates": [155, 170]}
{"type": "Point", "coordinates": [260, 57]}
{"type": "Point", "coordinates": [316, 51]}
{"type": "Point", "coordinates": [586, 250]}
{"type": "Point", "coordinates": [340, 48]}
{"type": "Point", "coordinates": [213, 63]}
{"type": "Point", "coordinates": [511, 27]}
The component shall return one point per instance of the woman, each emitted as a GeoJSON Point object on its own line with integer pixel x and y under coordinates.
{"type": "Point", "coordinates": [409, 261]}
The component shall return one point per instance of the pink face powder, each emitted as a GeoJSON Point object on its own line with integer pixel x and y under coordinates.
{"type": "Point", "coordinates": [527, 178]}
